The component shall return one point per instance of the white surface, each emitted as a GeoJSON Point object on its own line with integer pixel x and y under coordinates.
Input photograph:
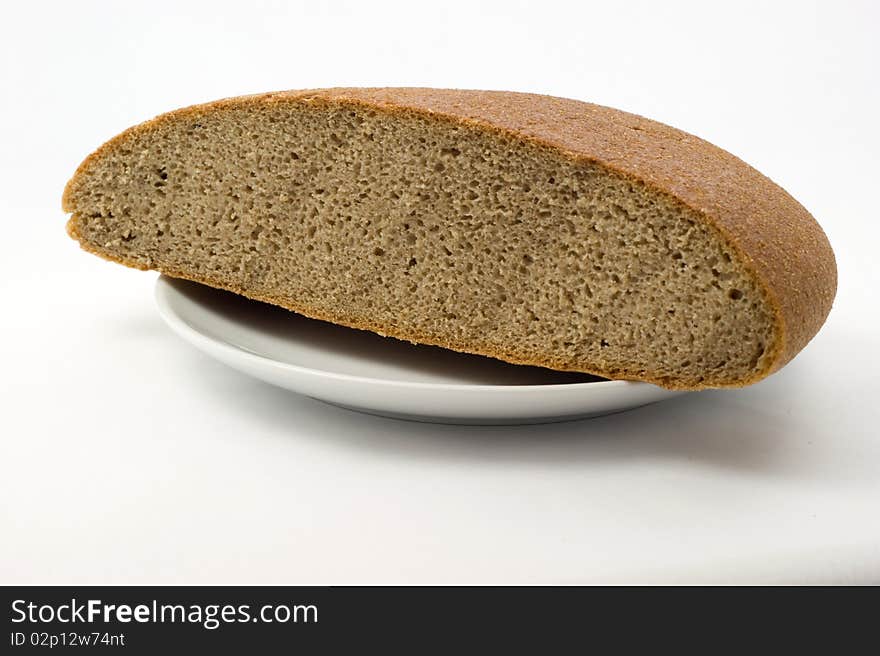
{"type": "Point", "coordinates": [127, 456]}
{"type": "Point", "coordinates": [388, 377]}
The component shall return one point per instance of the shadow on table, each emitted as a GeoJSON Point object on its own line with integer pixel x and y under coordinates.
{"type": "Point", "coordinates": [750, 430]}
{"type": "Point", "coordinates": [704, 427]}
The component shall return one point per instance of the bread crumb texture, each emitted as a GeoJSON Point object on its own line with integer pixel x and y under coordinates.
{"type": "Point", "coordinates": [533, 229]}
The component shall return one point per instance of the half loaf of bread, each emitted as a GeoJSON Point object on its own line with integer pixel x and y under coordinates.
{"type": "Point", "coordinates": [533, 229]}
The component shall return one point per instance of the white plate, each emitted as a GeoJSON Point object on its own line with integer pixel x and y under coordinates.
{"type": "Point", "coordinates": [363, 371]}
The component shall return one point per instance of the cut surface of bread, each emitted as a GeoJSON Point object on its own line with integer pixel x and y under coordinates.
{"type": "Point", "coordinates": [533, 229]}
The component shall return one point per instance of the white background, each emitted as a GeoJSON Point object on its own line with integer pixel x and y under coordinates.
{"type": "Point", "coordinates": [128, 457]}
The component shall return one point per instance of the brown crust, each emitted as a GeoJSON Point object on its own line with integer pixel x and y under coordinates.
{"type": "Point", "coordinates": [778, 240]}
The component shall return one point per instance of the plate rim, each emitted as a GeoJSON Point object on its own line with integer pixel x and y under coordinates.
{"type": "Point", "coordinates": [164, 289]}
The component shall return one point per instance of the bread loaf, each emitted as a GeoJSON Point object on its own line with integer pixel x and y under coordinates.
{"type": "Point", "coordinates": [533, 229]}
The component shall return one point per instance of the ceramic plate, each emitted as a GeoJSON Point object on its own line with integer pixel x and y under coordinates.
{"type": "Point", "coordinates": [363, 371]}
